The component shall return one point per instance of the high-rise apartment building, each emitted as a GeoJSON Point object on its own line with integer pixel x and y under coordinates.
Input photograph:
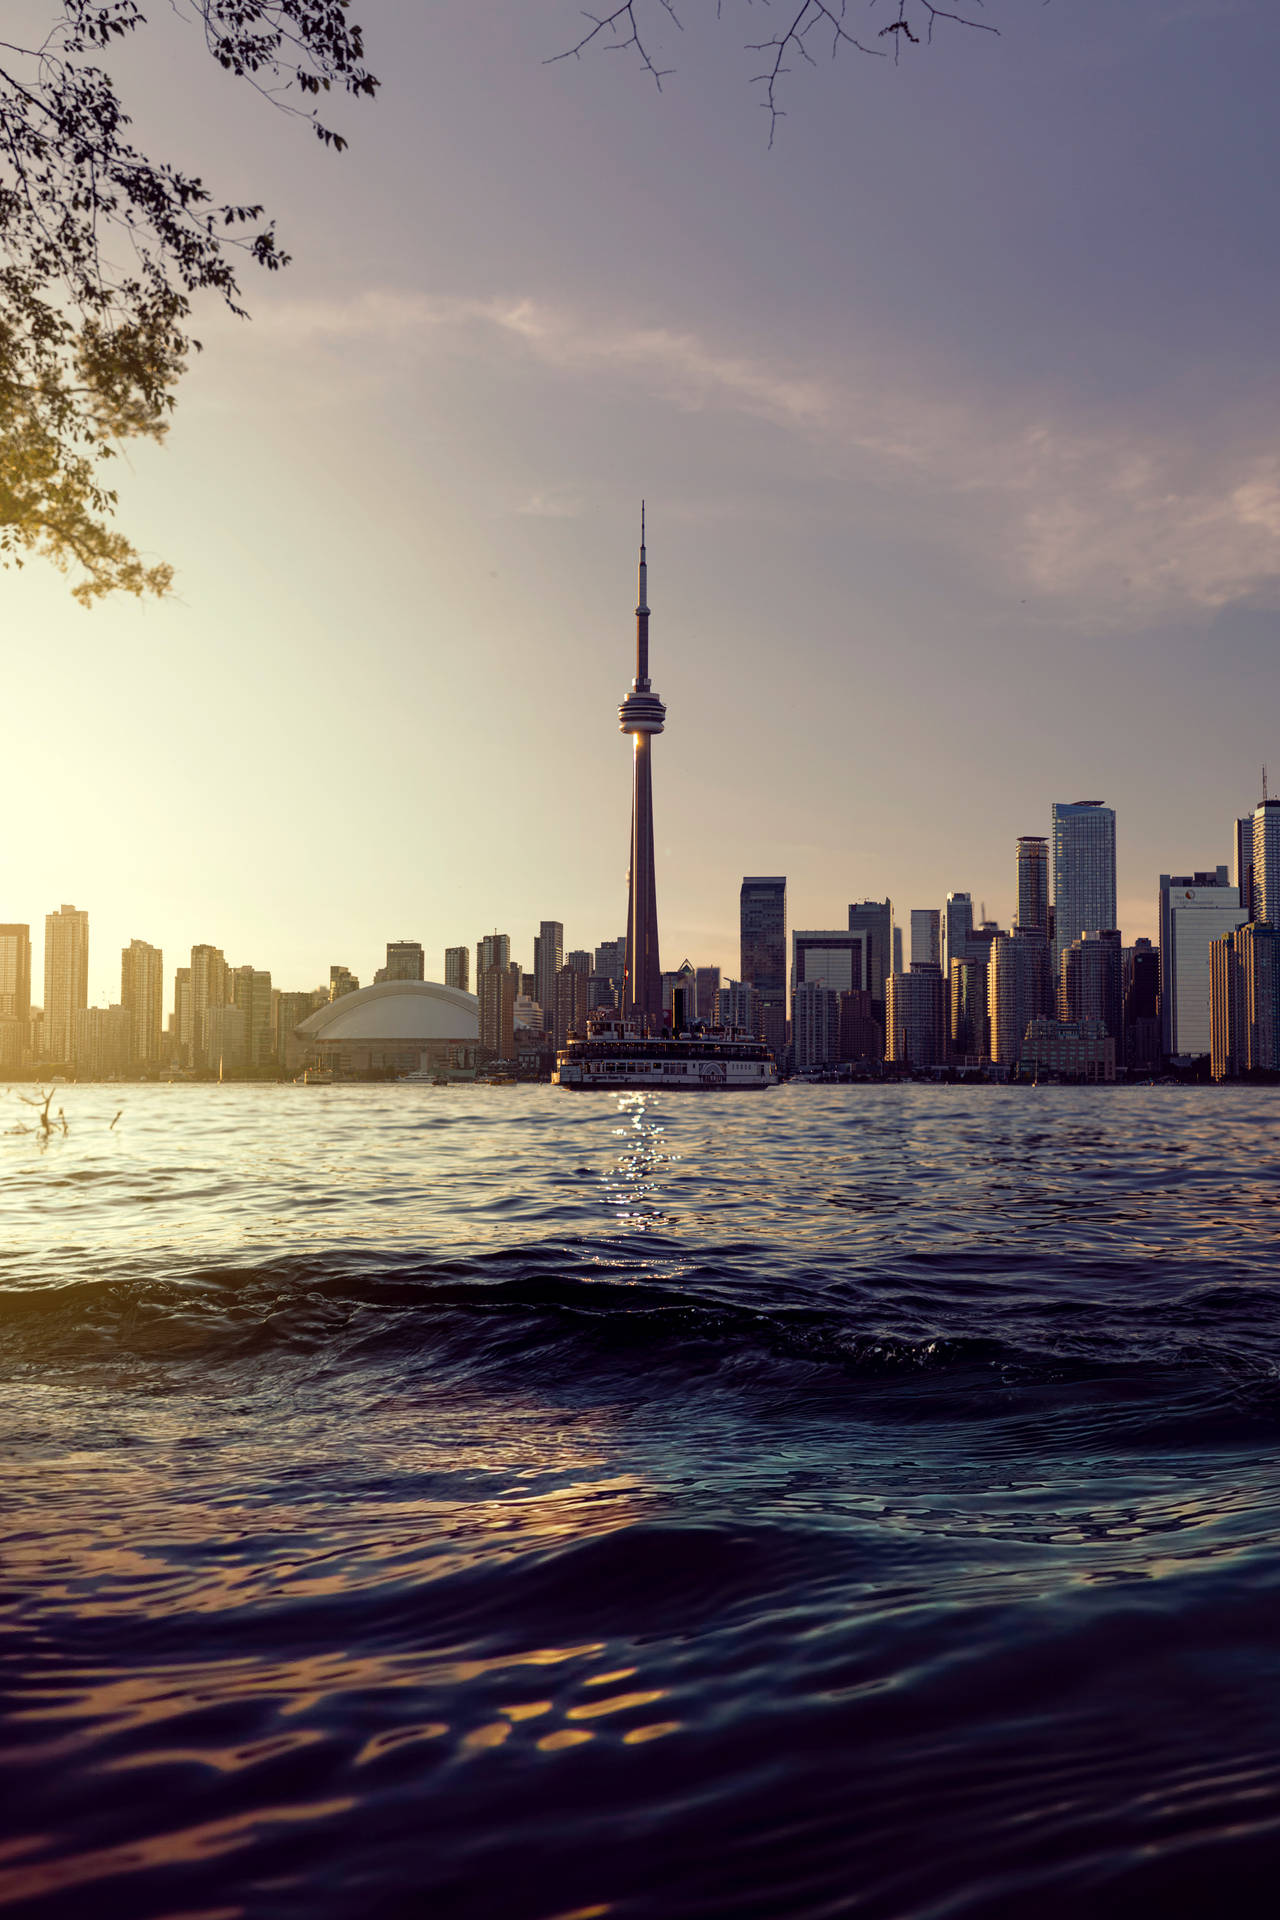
{"type": "Point", "coordinates": [405, 961]}
{"type": "Point", "coordinates": [210, 990]}
{"type": "Point", "coordinates": [15, 972]}
{"type": "Point", "coordinates": [739, 1005]}
{"type": "Point", "coordinates": [875, 919]}
{"type": "Point", "coordinates": [457, 968]}
{"type": "Point", "coordinates": [1093, 981]}
{"type": "Point", "coordinates": [66, 980]}
{"type": "Point", "coordinates": [1244, 1001]}
{"type": "Point", "coordinates": [916, 1035]}
{"type": "Point", "coordinates": [957, 928]}
{"type": "Point", "coordinates": [142, 997]}
{"type": "Point", "coordinates": [497, 995]}
{"type": "Point", "coordinates": [251, 993]}
{"type": "Point", "coordinates": [341, 982]}
{"type": "Point", "coordinates": [1084, 872]}
{"type": "Point", "coordinates": [1033, 883]}
{"type": "Point", "coordinates": [548, 958]}
{"type": "Point", "coordinates": [926, 937]}
{"type": "Point", "coordinates": [861, 1035]}
{"type": "Point", "coordinates": [708, 986]}
{"type": "Point", "coordinates": [611, 959]}
{"type": "Point", "coordinates": [100, 1041]}
{"type": "Point", "coordinates": [762, 919]}
{"type": "Point", "coordinates": [815, 1026]}
{"type": "Point", "coordinates": [967, 1009]}
{"type": "Point", "coordinates": [1141, 1007]}
{"type": "Point", "coordinates": [1195, 910]}
{"type": "Point", "coordinates": [1016, 977]}
{"type": "Point", "coordinates": [570, 1003]}
{"type": "Point", "coordinates": [1266, 862]}
{"type": "Point", "coordinates": [492, 950]}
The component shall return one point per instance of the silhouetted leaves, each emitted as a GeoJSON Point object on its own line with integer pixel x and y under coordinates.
{"type": "Point", "coordinates": [106, 249]}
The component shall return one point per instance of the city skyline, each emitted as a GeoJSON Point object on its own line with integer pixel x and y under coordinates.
{"type": "Point", "coordinates": [924, 559]}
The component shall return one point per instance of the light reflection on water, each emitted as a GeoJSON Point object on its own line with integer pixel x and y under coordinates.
{"type": "Point", "coordinates": [528, 1502]}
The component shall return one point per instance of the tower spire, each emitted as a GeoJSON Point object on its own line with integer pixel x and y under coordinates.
{"type": "Point", "coordinates": [641, 715]}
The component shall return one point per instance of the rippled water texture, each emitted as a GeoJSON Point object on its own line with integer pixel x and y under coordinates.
{"type": "Point", "coordinates": [501, 1502]}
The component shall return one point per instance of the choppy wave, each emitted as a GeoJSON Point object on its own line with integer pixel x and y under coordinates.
{"type": "Point", "coordinates": [850, 1502]}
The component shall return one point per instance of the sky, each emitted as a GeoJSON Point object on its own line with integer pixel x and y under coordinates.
{"type": "Point", "coordinates": [958, 419]}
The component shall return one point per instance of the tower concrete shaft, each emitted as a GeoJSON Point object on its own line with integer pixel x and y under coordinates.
{"type": "Point", "coordinates": [641, 715]}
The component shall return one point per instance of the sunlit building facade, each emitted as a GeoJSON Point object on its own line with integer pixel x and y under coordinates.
{"type": "Point", "coordinates": [142, 997]}
{"type": "Point", "coordinates": [1195, 910]}
{"type": "Point", "coordinates": [1084, 872]}
{"type": "Point", "coordinates": [66, 980]}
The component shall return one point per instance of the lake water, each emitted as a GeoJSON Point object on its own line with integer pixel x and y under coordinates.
{"type": "Point", "coordinates": [505, 1502]}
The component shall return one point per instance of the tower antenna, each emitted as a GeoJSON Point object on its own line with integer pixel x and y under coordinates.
{"type": "Point", "coordinates": [1264, 785]}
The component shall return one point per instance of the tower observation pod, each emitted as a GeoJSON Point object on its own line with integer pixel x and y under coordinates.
{"type": "Point", "coordinates": [642, 715]}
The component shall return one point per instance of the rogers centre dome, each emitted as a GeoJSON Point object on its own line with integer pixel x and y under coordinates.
{"type": "Point", "coordinates": [395, 1027]}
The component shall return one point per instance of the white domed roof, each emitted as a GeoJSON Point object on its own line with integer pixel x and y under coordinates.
{"type": "Point", "coordinates": [397, 1010]}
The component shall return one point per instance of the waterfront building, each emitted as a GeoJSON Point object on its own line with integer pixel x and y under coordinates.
{"type": "Point", "coordinates": [100, 1042]}
{"type": "Point", "coordinates": [142, 997]}
{"type": "Point", "coordinates": [226, 1040]}
{"type": "Point", "coordinates": [290, 1010]}
{"type": "Point", "coordinates": [1067, 1050]}
{"type": "Point", "coordinates": [548, 958]}
{"type": "Point", "coordinates": [180, 1018]}
{"type": "Point", "coordinates": [967, 1009]}
{"type": "Point", "coordinates": [926, 936]}
{"type": "Point", "coordinates": [1141, 1007]}
{"type": "Point", "coordinates": [14, 1041]}
{"type": "Point", "coordinates": [1093, 981]}
{"type": "Point", "coordinates": [861, 1035]}
{"type": "Point", "coordinates": [405, 961]}
{"type": "Point", "coordinates": [497, 1011]}
{"type": "Point", "coordinates": [916, 1034]}
{"type": "Point", "coordinates": [642, 715]}
{"type": "Point", "coordinates": [1195, 909]}
{"type": "Point", "coordinates": [1266, 861]}
{"type": "Point", "coordinates": [571, 1004]}
{"type": "Point", "coordinates": [251, 993]}
{"type": "Point", "coordinates": [815, 1026]}
{"type": "Point", "coordinates": [66, 980]}
{"type": "Point", "coordinates": [457, 968]}
{"type": "Point", "coordinates": [209, 990]}
{"type": "Point", "coordinates": [1242, 861]}
{"type": "Point", "coordinates": [342, 981]}
{"type": "Point", "coordinates": [762, 919]}
{"type": "Point", "coordinates": [957, 928]}
{"type": "Point", "coordinates": [874, 918]}
{"type": "Point", "coordinates": [1084, 872]}
{"type": "Point", "coordinates": [15, 973]}
{"type": "Point", "coordinates": [1244, 1001]}
{"type": "Point", "coordinates": [1033, 883]}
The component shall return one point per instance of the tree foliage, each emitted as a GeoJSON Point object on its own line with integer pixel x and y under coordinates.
{"type": "Point", "coordinates": [105, 250]}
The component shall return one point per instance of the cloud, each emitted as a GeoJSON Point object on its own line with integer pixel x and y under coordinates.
{"type": "Point", "coordinates": [1110, 518]}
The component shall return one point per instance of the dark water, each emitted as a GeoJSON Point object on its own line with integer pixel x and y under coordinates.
{"type": "Point", "coordinates": [513, 1503]}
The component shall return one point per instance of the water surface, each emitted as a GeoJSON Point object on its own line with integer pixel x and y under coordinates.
{"type": "Point", "coordinates": [478, 1502]}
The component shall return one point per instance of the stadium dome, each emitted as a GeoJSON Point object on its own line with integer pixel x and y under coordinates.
{"type": "Point", "coordinates": [396, 1012]}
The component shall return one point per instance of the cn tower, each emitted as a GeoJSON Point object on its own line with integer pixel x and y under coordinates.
{"type": "Point", "coordinates": [642, 714]}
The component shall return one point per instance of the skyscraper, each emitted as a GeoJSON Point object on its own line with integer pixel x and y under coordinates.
{"type": "Point", "coordinates": [1266, 862]}
{"type": "Point", "coordinates": [762, 921]}
{"type": "Point", "coordinates": [142, 997]}
{"type": "Point", "coordinates": [548, 958]}
{"type": "Point", "coordinates": [209, 993]}
{"type": "Point", "coordinates": [1242, 861]}
{"type": "Point", "coordinates": [1195, 910]}
{"type": "Point", "coordinates": [15, 972]}
{"type": "Point", "coordinates": [492, 950]}
{"type": "Point", "coordinates": [926, 936]}
{"type": "Point", "coordinates": [251, 993]}
{"type": "Point", "coordinates": [917, 1031]}
{"type": "Point", "coordinates": [875, 919]}
{"type": "Point", "coordinates": [1033, 883]}
{"type": "Point", "coordinates": [66, 979]}
{"type": "Point", "coordinates": [405, 961]}
{"type": "Point", "coordinates": [497, 994]}
{"type": "Point", "coordinates": [457, 968]}
{"type": "Point", "coordinates": [957, 927]}
{"type": "Point", "coordinates": [1084, 872]}
{"type": "Point", "coordinates": [341, 981]}
{"type": "Point", "coordinates": [1093, 981]}
{"type": "Point", "coordinates": [642, 715]}
{"type": "Point", "coordinates": [815, 1026]}
{"type": "Point", "coordinates": [1244, 1001]}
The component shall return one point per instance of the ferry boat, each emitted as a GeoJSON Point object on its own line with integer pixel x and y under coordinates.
{"type": "Point", "coordinates": [617, 1054]}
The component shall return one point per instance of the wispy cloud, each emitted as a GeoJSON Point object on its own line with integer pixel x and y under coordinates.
{"type": "Point", "coordinates": [1119, 518]}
